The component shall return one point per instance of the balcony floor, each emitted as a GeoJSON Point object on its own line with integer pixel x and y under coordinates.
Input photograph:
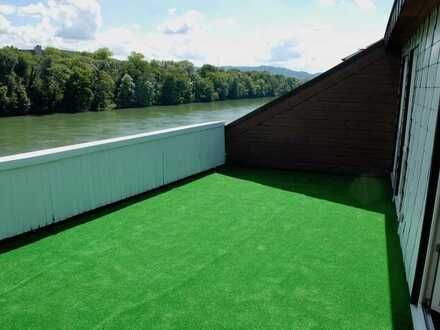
{"type": "Point", "coordinates": [237, 248]}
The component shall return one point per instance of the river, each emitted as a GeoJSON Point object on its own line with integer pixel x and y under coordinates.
{"type": "Point", "coordinates": [30, 133]}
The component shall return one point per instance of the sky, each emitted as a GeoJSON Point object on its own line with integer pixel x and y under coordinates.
{"type": "Point", "coordinates": [308, 35]}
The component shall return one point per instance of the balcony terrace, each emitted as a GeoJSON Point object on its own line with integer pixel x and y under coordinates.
{"type": "Point", "coordinates": [230, 248]}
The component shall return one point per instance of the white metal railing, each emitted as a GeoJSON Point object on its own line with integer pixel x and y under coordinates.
{"type": "Point", "coordinates": [43, 187]}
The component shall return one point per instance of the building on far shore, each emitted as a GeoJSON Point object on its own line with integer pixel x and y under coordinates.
{"type": "Point", "coordinates": [38, 50]}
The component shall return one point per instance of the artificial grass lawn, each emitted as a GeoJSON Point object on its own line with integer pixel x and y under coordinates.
{"type": "Point", "coordinates": [234, 249]}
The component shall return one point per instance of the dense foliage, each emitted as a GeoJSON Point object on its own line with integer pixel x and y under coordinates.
{"type": "Point", "coordinates": [60, 81]}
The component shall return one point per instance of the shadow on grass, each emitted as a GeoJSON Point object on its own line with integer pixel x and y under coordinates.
{"type": "Point", "coordinates": [22, 240]}
{"type": "Point", "coordinates": [368, 193]}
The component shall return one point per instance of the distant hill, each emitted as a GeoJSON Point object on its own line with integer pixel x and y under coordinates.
{"type": "Point", "coordinates": [301, 75]}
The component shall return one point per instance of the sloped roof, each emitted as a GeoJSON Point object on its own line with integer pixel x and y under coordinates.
{"type": "Point", "coordinates": [405, 17]}
{"type": "Point", "coordinates": [315, 82]}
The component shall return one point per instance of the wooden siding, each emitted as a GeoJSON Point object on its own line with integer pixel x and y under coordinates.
{"type": "Point", "coordinates": [405, 18]}
{"type": "Point", "coordinates": [44, 187]}
{"type": "Point", "coordinates": [343, 121]}
{"type": "Point", "coordinates": [394, 16]}
{"type": "Point", "coordinates": [419, 141]}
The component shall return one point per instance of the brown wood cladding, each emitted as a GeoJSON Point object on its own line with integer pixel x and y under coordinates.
{"type": "Point", "coordinates": [343, 121]}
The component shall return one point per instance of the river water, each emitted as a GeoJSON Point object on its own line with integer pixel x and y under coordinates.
{"type": "Point", "coordinates": [30, 133]}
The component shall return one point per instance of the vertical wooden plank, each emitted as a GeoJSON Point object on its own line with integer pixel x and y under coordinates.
{"type": "Point", "coordinates": [57, 184]}
{"type": "Point", "coordinates": [420, 140]}
{"type": "Point", "coordinates": [8, 226]}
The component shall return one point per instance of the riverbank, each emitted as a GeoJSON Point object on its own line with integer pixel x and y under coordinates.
{"type": "Point", "coordinates": [30, 133]}
{"type": "Point", "coordinates": [73, 82]}
{"type": "Point", "coordinates": [131, 107]}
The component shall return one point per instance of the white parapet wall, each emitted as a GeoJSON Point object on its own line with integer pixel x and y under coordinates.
{"type": "Point", "coordinates": [43, 187]}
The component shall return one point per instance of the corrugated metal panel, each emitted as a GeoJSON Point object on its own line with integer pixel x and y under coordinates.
{"type": "Point", "coordinates": [420, 139]}
{"type": "Point", "coordinates": [44, 187]}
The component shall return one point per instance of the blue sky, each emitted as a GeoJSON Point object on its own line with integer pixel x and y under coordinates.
{"type": "Point", "coordinates": [310, 35]}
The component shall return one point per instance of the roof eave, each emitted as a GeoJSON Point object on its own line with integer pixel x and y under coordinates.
{"type": "Point", "coordinates": [405, 17]}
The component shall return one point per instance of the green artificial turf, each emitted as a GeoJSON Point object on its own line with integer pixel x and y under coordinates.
{"type": "Point", "coordinates": [237, 248]}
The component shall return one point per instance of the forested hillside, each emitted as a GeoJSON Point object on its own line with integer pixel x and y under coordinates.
{"type": "Point", "coordinates": [300, 75]}
{"type": "Point", "coordinates": [58, 81]}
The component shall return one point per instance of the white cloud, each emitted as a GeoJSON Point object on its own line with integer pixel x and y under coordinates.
{"type": "Point", "coordinates": [5, 25]}
{"type": "Point", "coordinates": [189, 56]}
{"type": "Point", "coordinates": [327, 2]}
{"type": "Point", "coordinates": [191, 35]}
{"type": "Point", "coordinates": [321, 46]}
{"type": "Point", "coordinates": [33, 10]}
{"type": "Point", "coordinates": [7, 9]}
{"type": "Point", "coordinates": [79, 19]}
{"type": "Point", "coordinates": [365, 5]}
{"type": "Point", "coordinates": [184, 24]}
{"type": "Point", "coordinates": [66, 19]}
{"type": "Point", "coordinates": [284, 52]}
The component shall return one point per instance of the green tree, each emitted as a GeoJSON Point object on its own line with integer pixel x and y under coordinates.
{"type": "Point", "coordinates": [136, 66]}
{"type": "Point", "coordinates": [8, 61]}
{"type": "Point", "coordinates": [13, 97]}
{"type": "Point", "coordinates": [204, 90]}
{"type": "Point", "coordinates": [23, 69]}
{"type": "Point", "coordinates": [3, 100]}
{"type": "Point", "coordinates": [184, 87]}
{"type": "Point", "coordinates": [102, 54]}
{"type": "Point", "coordinates": [78, 95]}
{"type": "Point", "coordinates": [47, 86]}
{"type": "Point", "coordinates": [236, 89]}
{"type": "Point", "coordinates": [126, 92]}
{"type": "Point", "coordinates": [66, 81]}
{"type": "Point", "coordinates": [207, 69]}
{"type": "Point", "coordinates": [145, 93]}
{"type": "Point", "coordinates": [170, 93]}
{"type": "Point", "coordinates": [103, 92]}
{"type": "Point", "coordinates": [176, 89]}
{"type": "Point", "coordinates": [187, 68]}
{"type": "Point", "coordinates": [19, 102]}
{"type": "Point", "coordinates": [221, 84]}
